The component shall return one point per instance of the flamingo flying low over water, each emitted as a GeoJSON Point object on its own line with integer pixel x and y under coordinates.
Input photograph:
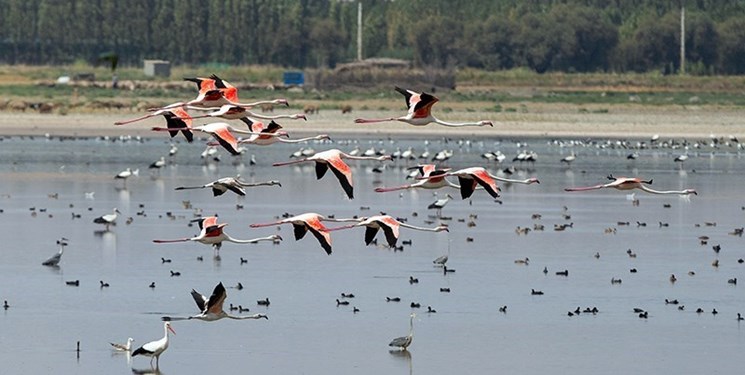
{"type": "Point", "coordinates": [177, 119]}
{"type": "Point", "coordinates": [629, 183]}
{"type": "Point", "coordinates": [265, 135]}
{"type": "Point", "coordinates": [390, 227]}
{"type": "Point", "coordinates": [333, 159]}
{"type": "Point", "coordinates": [234, 184]}
{"type": "Point", "coordinates": [469, 178]}
{"type": "Point", "coordinates": [222, 132]}
{"type": "Point", "coordinates": [154, 349]}
{"type": "Point", "coordinates": [420, 111]}
{"type": "Point", "coordinates": [430, 178]}
{"type": "Point", "coordinates": [212, 234]}
{"type": "Point", "coordinates": [234, 112]}
{"type": "Point", "coordinates": [211, 309]}
{"type": "Point", "coordinates": [308, 222]}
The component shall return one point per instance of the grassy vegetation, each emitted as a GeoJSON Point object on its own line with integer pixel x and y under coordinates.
{"type": "Point", "coordinates": [509, 88]}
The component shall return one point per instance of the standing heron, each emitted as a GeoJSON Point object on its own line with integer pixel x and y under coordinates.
{"type": "Point", "coordinates": [211, 309]}
{"type": "Point", "coordinates": [403, 342]}
{"type": "Point", "coordinates": [154, 349]}
{"type": "Point", "coordinates": [53, 261]}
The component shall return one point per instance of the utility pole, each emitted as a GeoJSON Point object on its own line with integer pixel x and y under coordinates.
{"type": "Point", "coordinates": [682, 39]}
{"type": "Point", "coordinates": [359, 31]}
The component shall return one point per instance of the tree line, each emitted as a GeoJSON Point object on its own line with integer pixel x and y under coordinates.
{"type": "Point", "coordinates": [542, 35]}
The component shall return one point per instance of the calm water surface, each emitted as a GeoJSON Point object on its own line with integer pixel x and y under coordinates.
{"type": "Point", "coordinates": [306, 332]}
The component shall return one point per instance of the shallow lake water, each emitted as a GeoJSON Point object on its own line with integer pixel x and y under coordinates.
{"type": "Point", "coordinates": [306, 331]}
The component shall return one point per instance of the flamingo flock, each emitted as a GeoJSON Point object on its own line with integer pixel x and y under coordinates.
{"type": "Point", "coordinates": [219, 99]}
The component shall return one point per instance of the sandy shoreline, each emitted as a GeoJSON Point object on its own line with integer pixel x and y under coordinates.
{"type": "Point", "coordinates": [553, 121]}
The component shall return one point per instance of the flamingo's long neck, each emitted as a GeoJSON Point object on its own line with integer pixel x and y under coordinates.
{"type": "Point", "coordinates": [419, 228]}
{"type": "Point", "coordinates": [652, 191]}
{"type": "Point", "coordinates": [301, 139]}
{"type": "Point", "coordinates": [454, 124]}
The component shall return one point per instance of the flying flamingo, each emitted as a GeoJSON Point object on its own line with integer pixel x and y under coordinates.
{"type": "Point", "coordinates": [390, 227]}
{"type": "Point", "coordinates": [211, 233]}
{"type": "Point", "coordinates": [154, 349]}
{"type": "Point", "coordinates": [234, 184]}
{"type": "Point", "coordinates": [267, 134]}
{"type": "Point", "coordinates": [629, 183]}
{"type": "Point", "coordinates": [333, 158]}
{"type": "Point", "coordinates": [234, 112]}
{"type": "Point", "coordinates": [469, 178]}
{"type": "Point", "coordinates": [432, 178]}
{"type": "Point", "coordinates": [177, 119]}
{"type": "Point", "coordinates": [265, 140]}
{"type": "Point", "coordinates": [223, 133]}
{"type": "Point", "coordinates": [308, 222]}
{"type": "Point", "coordinates": [419, 114]}
{"type": "Point", "coordinates": [211, 309]}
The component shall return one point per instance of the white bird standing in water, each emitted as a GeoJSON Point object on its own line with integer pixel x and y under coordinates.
{"type": "Point", "coordinates": [154, 349]}
{"type": "Point", "coordinates": [108, 220]}
{"type": "Point", "coordinates": [123, 347]}
{"type": "Point", "coordinates": [440, 204]}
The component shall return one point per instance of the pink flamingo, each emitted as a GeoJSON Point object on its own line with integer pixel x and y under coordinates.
{"type": "Point", "coordinates": [222, 132]}
{"type": "Point", "coordinates": [629, 183]}
{"type": "Point", "coordinates": [390, 227]}
{"type": "Point", "coordinates": [333, 159]}
{"type": "Point", "coordinates": [470, 178]}
{"type": "Point", "coordinates": [430, 178]}
{"type": "Point", "coordinates": [177, 119]}
{"type": "Point", "coordinates": [306, 222]}
{"type": "Point", "coordinates": [419, 114]}
{"type": "Point", "coordinates": [211, 233]}
{"type": "Point", "coordinates": [233, 112]}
